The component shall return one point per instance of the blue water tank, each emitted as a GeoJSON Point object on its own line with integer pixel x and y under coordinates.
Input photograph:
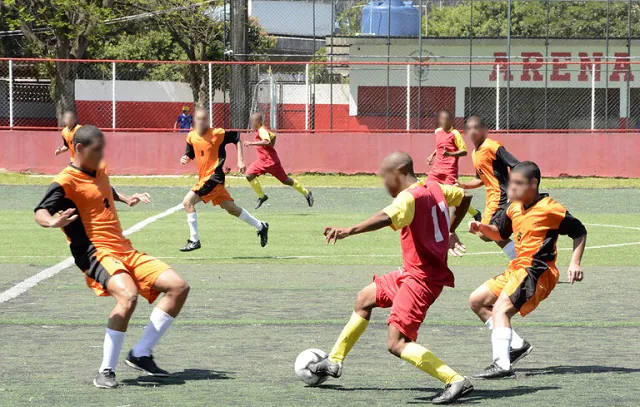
{"type": "Point", "coordinates": [391, 17]}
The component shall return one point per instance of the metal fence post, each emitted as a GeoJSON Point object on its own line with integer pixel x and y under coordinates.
{"type": "Point", "coordinates": [210, 96]}
{"type": "Point", "coordinates": [498, 97]}
{"type": "Point", "coordinates": [408, 97]}
{"type": "Point", "coordinates": [307, 97]}
{"type": "Point", "coordinates": [113, 95]}
{"type": "Point", "coordinates": [11, 93]}
{"type": "Point", "coordinates": [593, 96]}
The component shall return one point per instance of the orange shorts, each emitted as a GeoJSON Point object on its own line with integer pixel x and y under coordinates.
{"type": "Point", "coordinates": [211, 192]}
{"type": "Point", "coordinates": [526, 290]}
{"type": "Point", "coordinates": [143, 269]}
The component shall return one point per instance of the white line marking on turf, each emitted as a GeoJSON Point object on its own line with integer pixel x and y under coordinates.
{"type": "Point", "coordinates": [49, 272]}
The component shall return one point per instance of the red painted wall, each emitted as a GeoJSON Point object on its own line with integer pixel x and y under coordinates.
{"type": "Point", "coordinates": [605, 154]}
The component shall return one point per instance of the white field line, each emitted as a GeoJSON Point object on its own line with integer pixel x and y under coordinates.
{"type": "Point", "coordinates": [49, 272]}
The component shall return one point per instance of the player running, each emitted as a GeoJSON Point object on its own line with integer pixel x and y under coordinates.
{"type": "Point", "coordinates": [70, 120]}
{"type": "Point", "coordinates": [492, 163]}
{"type": "Point", "coordinates": [81, 201]}
{"type": "Point", "coordinates": [536, 220]}
{"type": "Point", "coordinates": [421, 211]}
{"type": "Point", "coordinates": [450, 147]}
{"type": "Point", "coordinates": [268, 162]}
{"type": "Point", "coordinates": [207, 147]}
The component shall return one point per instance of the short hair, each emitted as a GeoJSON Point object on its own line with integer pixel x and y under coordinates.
{"type": "Point", "coordinates": [200, 109]}
{"type": "Point", "coordinates": [71, 112]}
{"type": "Point", "coordinates": [87, 135]}
{"type": "Point", "coordinates": [478, 119]}
{"type": "Point", "coordinates": [258, 115]}
{"type": "Point", "coordinates": [529, 169]}
{"type": "Point", "coordinates": [446, 111]}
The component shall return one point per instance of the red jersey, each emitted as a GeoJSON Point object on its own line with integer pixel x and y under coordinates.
{"type": "Point", "coordinates": [267, 154]}
{"type": "Point", "coordinates": [422, 214]}
{"type": "Point", "coordinates": [450, 140]}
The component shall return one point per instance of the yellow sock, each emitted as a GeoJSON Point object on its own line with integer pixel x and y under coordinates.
{"type": "Point", "coordinates": [472, 211]}
{"type": "Point", "coordinates": [298, 187]}
{"type": "Point", "coordinates": [348, 337]}
{"type": "Point", "coordinates": [255, 184]}
{"type": "Point", "coordinates": [425, 360]}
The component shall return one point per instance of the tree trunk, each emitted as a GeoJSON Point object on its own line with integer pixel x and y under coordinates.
{"type": "Point", "coordinates": [239, 97]}
{"type": "Point", "coordinates": [63, 88]}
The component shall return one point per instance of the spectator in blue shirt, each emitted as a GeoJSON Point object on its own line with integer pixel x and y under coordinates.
{"type": "Point", "coordinates": [185, 120]}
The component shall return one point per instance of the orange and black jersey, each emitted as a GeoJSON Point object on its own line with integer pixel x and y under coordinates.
{"type": "Point", "coordinates": [209, 152]}
{"type": "Point", "coordinates": [97, 225]}
{"type": "Point", "coordinates": [536, 229]}
{"type": "Point", "coordinates": [492, 163]}
{"type": "Point", "coordinates": [67, 138]}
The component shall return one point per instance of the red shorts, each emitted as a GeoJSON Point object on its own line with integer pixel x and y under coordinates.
{"type": "Point", "coordinates": [442, 178]}
{"type": "Point", "coordinates": [409, 299]}
{"type": "Point", "coordinates": [258, 168]}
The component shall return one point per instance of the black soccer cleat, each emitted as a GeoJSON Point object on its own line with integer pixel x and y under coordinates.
{"type": "Point", "coordinates": [326, 367]}
{"type": "Point", "coordinates": [146, 365]}
{"type": "Point", "coordinates": [105, 379]}
{"type": "Point", "coordinates": [453, 391]}
{"type": "Point", "coordinates": [261, 201]}
{"type": "Point", "coordinates": [518, 354]}
{"type": "Point", "coordinates": [494, 372]}
{"type": "Point", "coordinates": [264, 234]}
{"type": "Point", "coordinates": [190, 246]}
{"type": "Point", "coordinates": [478, 217]}
{"type": "Point", "coordinates": [309, 198]}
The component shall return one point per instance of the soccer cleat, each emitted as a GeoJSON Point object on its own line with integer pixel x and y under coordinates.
{"type": "Point", "coordinates": [264, 234]}
{"type": "Point", "coordinates": [478, 217]}
{"type": "Point", "coordinates": [453, 391]}
{"type": "Point", "coordinates": [518, 354]}
{"type": "Point", "coordinates": [309, 197]}
{"type": "Point", "coordinates": [494, 372]}
{"type": "Point", "coordinates": [261, 201]}
{"type": "Point", "coordinates": [105, 379]}
{"type": "Point", "coordinates": [190, 246]}
{"type": "Point", "coordinates": [326, 367]}
{"type": "Point", "coordinates": [145, 364]}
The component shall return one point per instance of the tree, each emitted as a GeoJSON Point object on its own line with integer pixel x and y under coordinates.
{"type": "Point", "coordinates": [70, 27]}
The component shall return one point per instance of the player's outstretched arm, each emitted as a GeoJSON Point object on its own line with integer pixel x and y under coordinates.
{"type": "Point", "coordinates": [573, 228]}
{"type": "Point", "coordinates": [62, 219]}
{"type": "Point", "coordinates": [490, 231]}
{"type": "Point", "coordinates": [132, 200]}
{"type": "Point", "coordinates": [473, 184]}
{"type": "Point", "coordinates": [457, 153]}
{"type": "Point", "coordinates": [378, 221]}
{"type": "Point", "coordinates": [248, 143]}
{"type": "Point", "coordinates": [456, 247]}
{"type": "Point", "coordinates": [61, 150]}
{"type": "Point", "coordinates": [241, 165]}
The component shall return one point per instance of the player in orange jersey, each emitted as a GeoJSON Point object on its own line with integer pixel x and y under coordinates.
{"type": "Point", "coordinates": [70, 120]}
{"type": "Point", "coordinates": [207, 146]}
{"type": "Point", "coordinates": [535, 220]}
{"type": "Point", "coordinates": [81, 201]}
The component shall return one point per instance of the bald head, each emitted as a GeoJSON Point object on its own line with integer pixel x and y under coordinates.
{"type": "Point", "coordinates": [400, 161]}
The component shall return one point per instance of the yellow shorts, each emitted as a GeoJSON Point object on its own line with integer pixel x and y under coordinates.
{"type": "Point", "coordinates": [143, 269]}
{"type": "Point", "coordinates": [525, 289]}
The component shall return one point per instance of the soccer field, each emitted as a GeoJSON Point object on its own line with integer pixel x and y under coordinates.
{"type": "Point", "coordinates": [252, 310]}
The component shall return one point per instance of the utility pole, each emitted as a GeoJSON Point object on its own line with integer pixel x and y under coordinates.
{"type": "Point", "coordinates": [239, 96]}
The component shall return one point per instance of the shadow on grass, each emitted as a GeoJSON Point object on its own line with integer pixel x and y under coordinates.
{"type": "Point", "coordinates": [479, 395]}
{"type": "Point", "coordinates": [560, 370]}
{"type": "Point", "coordinates": [178, 378]}
{"type": "Point", "coordinates": [339, 387]}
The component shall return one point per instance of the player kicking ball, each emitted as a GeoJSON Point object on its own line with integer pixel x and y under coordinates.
{"type": "Point", "coordinates": [268, 162]}
{"type": "Point", "coordinates": [536, 221]}
{"type": "Point", "coordinates": [421, 211]}
{"type": "Point", "coordinates": [81, 202]}
{"type": "Point", "coordinates": [207, 147]}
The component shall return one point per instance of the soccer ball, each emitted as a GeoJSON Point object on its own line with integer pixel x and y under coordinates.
{"type": "Point", "coordinates": [302, 363]}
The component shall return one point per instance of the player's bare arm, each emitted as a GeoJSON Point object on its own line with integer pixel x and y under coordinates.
{"type": "Point", "coordinates": [132, 200]}
{"type": "Point", "coordinates": [456, 247]}
{"type": "Point", "coordinates": [489, 231]}
{"type": "Point", "coordinates": [457, 153]}
{"type": "Point", "coordinates": [241, 165]}
{"type": "Point", "coordinates": [61, 150]}
{"type": "Point", "coordinates": [60, 220]}
{"type": "Point", "coordinates": [378, 221]}
{"type": "Point", "coordinates": [473, 184]}
{"type": "Point", "coordinates": [575, 272]}
{"type": "Point", "coordinates": [248, 143]}
{"type": "Point", "coordinates": [431, 157]}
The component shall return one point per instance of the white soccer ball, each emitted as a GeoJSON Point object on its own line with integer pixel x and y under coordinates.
{"type": "Point", "coordinates": [302, 366]}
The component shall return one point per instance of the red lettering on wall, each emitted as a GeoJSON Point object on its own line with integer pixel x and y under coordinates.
{"type": "Point", "coordinates": [556, 67]}
{"type": "Point", "coordinates": [501, 64]}
{"type": "Point", "coordinates": [621, 66]}
{"type": "Point", "coordinates": [532, 63]}
{"type": "Point", "coordinates": [586, 66]}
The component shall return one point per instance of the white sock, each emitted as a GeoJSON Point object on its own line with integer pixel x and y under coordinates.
{"type": "Point", "coordinates": [516, 341]}
{"type": "Point", "coordinates": [510, 250]}
{"type": "Point", "coordinates": [489, 323]}
{"type": "Point", "coordinates": [248, 218]}
{"type": "Point", "coordinates": [192, 221]}
{"type": "Point", "coordinates": [501, 341]}
{"type": "Point", "coordinates": [159, 322]}
{"type": "Point", "coordinates": [113, 341]}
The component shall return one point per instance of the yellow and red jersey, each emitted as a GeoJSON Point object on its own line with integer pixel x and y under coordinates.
{"type": "Point", "coordinates": [421, 212]}
{"type": "Point", "coordinates": [267, 154]}
{"type": "Point", "coordinates": [97, 226]}
{"type": "Point", "coordinates": [209, 152]}
{"type": "Point", "coordinates": [450, 140]}
{"type": "Point", "coordinates": [492, 163]}
{"type": "Point", "coordinates": [67, 138]}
